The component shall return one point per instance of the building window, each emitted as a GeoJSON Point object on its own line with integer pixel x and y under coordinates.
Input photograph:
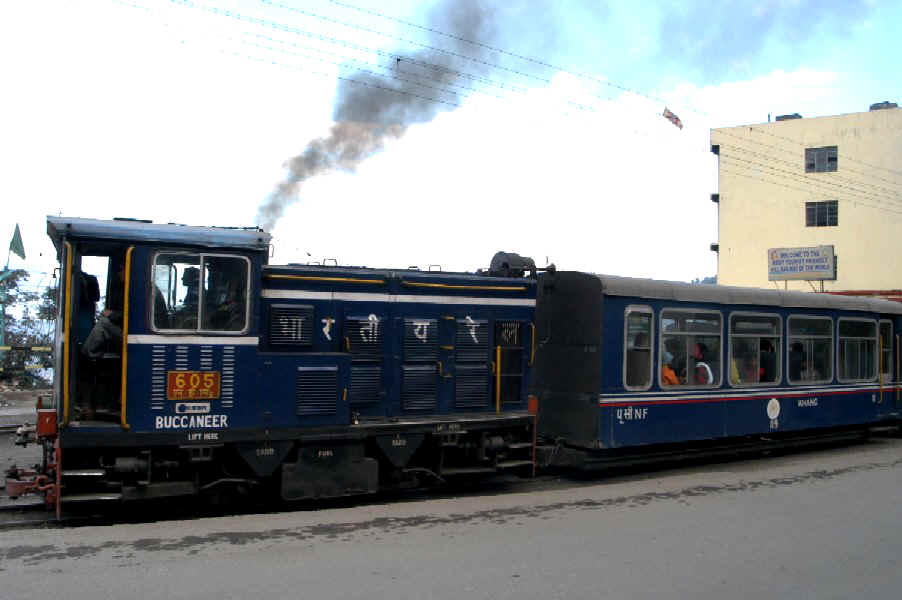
{"type": "Point", "coordinates": [822, 214]}
{"type": "Point", "coordinates": [821, 160]}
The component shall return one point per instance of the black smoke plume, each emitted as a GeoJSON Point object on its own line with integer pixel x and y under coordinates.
{"type": "Point", "coordinates": [371, 110]}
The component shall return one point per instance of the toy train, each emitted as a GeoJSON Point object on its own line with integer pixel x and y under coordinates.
{"type": "Point", "coordinates": [212, 371]}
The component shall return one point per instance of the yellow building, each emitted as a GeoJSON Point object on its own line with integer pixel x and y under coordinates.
{"type": "Point", "coordinates": [803, 182]}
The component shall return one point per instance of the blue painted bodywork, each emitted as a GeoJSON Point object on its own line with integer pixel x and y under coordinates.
{"type": "Point", "coordinates": [260, 383]}
{"type": "Point", "coordinates": [665, 414]}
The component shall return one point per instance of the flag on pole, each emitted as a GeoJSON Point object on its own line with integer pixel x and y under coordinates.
{"type": "Point", "coordinates": [672, 118]}
{"type": "Point", "coordinates": [15, 246]}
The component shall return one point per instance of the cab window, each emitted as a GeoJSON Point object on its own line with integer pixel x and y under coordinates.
{"type": "Point", "coordinates": [200, 292]}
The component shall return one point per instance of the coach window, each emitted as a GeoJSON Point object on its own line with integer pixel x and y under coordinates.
{"type": "Point", "coordinates": [200, 292]}
{"type": "Point", "coordinates": [754, 348]}
{"type": "Point", "coordinates": [886, 350]}
{"type": "Point", "coordinates": [857, 350]}
{"type": "Point", "coordinates": [637, 347]}
{"type": "Point", "coordinates": [690, 347]}
{"type": "Point", "coordinates": [810, 355]}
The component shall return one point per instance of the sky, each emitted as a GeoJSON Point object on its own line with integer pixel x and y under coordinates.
{"type": "Point", "coordinates": [414, 133]}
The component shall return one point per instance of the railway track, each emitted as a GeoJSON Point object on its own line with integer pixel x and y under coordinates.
{"type": "Point", "coordinates": [30, 512]}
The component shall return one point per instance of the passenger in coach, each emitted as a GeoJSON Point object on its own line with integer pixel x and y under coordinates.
{"type": "Point", "coordinates": [703, 373]}
{"type": "Point", "coordinates": [668, 375]}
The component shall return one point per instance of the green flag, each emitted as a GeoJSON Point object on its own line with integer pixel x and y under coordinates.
{"type": "Point", "coordinates": [15, 246]}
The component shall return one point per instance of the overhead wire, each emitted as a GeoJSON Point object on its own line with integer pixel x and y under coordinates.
{"type": "Point", "coordinates": [794, 153]}
{"type": "Point", "coordinates": [345, 58]}
{"type": "Point", "coordinates": [893, 171]}
{"type": "Point", "coordinates": [530, 59]}
{"type": "Point", "coordinates": [441, 90]}
{"type": "Point", "coordinates": [298, 31]}
{"type": "Point", "coordinates": [815, 179]}
{"type": "Point", "coordinates": [297, 68]}
{"type": "Point", "coordinates": [813, 187]}
{"type": "Point", "coordinates": [523, 57]}
{"type": "Point", "coordinates": [780, 181]}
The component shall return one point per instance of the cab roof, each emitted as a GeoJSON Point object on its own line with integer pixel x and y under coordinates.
{"type": "Point", "coordinates": [130, 230]}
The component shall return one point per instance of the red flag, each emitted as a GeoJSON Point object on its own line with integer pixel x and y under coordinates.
{"type": "Point", "coordinates": [672, 118]}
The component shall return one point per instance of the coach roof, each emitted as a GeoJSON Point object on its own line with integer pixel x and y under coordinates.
{"type": "Point", "coordinates": [127, 230]}
{"type": "Point", "coordinates": [725, 294]}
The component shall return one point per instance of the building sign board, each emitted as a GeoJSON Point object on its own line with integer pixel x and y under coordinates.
{"type": "Point", "coordinates": [815, 263]}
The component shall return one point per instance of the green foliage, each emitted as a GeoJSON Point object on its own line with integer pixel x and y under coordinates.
{"type": "Point", "coordinates": [29, 321]}
{"type": "Point", "coordinates": [712, 279]}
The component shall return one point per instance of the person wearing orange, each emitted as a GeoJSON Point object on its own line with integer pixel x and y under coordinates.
{"type": "Point", "coordinates": [668, 375]}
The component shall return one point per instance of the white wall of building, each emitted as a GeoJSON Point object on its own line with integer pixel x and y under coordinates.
{"type": "Point", "coordinates": [763, 189]}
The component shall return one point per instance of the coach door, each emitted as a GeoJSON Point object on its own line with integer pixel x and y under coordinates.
{"type": "Point", "coordinates": [507, 363]}
{"type": "Point", "coordinates": [94, 309]}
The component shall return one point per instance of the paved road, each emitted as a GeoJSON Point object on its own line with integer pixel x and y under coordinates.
{"type": "Point", "coordinates": [824, 524]}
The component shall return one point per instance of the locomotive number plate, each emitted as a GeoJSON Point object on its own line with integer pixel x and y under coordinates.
{"type": "Point", "coordinates": [192, 385]}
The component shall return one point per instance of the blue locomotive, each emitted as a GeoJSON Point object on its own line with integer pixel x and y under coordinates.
{"type": "Point", "coordinates": [210, 370]}
{"type": "Point", "coordinates": [626, 364]}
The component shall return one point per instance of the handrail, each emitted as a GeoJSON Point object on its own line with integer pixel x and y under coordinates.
{"type": "Point", "coordinates": [498, 380]}
{"type": "Point", "coordinates": [478, 288]}
{"type": "Point", "coordinates": [319, 278]}
{"type": "Point", "coordinates": [880, 374]}
{"type": "Point", "coordinates": [532, 339]}
{"type": "Point", "coordinates": [128, 273]}
{"type": "Point", "coordinates": [67, 320]}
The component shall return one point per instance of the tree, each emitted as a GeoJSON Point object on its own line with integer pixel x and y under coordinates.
{"type": "Point", "coordinates": [712, 279]}
{"type": "Point", "coordinates": [29, 322]}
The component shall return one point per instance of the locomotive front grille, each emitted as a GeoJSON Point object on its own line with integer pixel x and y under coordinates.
{"type": "Point", "coordinates": [316, 391]}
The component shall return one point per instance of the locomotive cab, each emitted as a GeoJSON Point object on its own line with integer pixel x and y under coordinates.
{"type": "Point", "coordinates": [128, 282]}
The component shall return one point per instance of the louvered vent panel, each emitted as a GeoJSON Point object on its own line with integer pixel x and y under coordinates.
{"type": "Point", "coordinates": [420, 340]}
{"type": "Point", "coordinates": [364, 336]}
{"type": "Point", "coordinates": [507, 333]}
{"type": "Point", "coordinates": [472, 340]}
{"type": "Point", "coordinates": [418, 387]}
{"type": "Point", "coordinates": [316, 391]}
{"type": "Point", "coordinates": [291, 325]}
{"type": "Point", "coordinates": [471, 386]}
{"type": "Point", "coordinates": [366, 381]}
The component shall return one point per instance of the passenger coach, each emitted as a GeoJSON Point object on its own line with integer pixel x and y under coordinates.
{"type": "Point", "coordinates": [625, 362]}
